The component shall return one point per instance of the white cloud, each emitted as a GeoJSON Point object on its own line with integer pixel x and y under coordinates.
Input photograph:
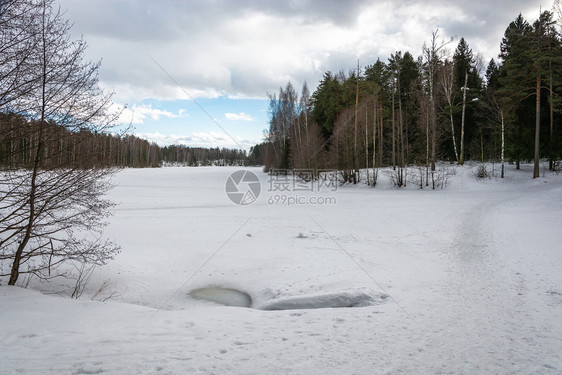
{"type": "Point", "coordinates": [199, 139]}
{"type": "Point", "coordinates": [239, 116]}
{"type": "Point", "coordinates": [138, 113]}
{"type": "Point", "coordinates": [155, 137]}
{"type": "Point", "coordinates": [249, 48]}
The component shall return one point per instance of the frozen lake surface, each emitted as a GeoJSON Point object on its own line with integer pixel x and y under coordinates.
{"type": "Point", "coordinates": [360, 280]}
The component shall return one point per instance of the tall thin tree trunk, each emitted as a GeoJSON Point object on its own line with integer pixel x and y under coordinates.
{"type": "Point", "coordinates": [453, 132]}
{"type": "Point", "coordinates": [447, 83]}
{"type": "Point", "coordinates": [381, 136]}
{"type": "Point", "coordinates": [337, 151]}
{"type": "Point", "coordinates": [433, 130]}
{"type": "Point", "coordinates": [536, 170]}
{"type": "Point", "coordinates": [461, 160]}
{"type": "Point", "coordinates": [367, 144]}
{"type": "Point", "coordinates": [375, 143]}
{"type": "Point", "coordinates": [482, 145]}
{"type": "Point", "coordinates": [503, 145]}
{"type": "Point", "coordinates": [393, 134]}
{"type": "Point", "coordinates": [14, 272]}
{"type": "Point", "coordinates": [551, 145]}
{"type": "Point", "coordinates": [427, 151]}
{"type": "Point", "coordinates": [356, 155]}
{"type": "Point", "coordinates": [401, 131]}
{"type": "Point", "coordinates": [307, 135]}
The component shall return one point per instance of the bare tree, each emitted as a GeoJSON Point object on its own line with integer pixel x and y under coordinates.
{"type": "Point", "coordinates": [53, 209]}
{"type": "Point", "coordinates": [284, 127]}
{"type": "Point", "coordinates": [447, 85]}
{"type": "Point", "coordinates": [501, 110]}
{"type": "Point", "coordinates": [464, 90]}
{"type": "Point", "coordinates": [422, 96]}
{"type": "Point", "coordinates": [432, 55]}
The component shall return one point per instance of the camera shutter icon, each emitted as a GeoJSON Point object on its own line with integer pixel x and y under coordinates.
{"type": "Point", "coordinates": [243, 187]}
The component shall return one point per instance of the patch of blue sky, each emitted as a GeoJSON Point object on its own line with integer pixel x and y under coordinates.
{"type": "Point", "coordinates": [182, 121]}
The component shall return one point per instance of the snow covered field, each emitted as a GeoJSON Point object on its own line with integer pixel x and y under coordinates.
{"type": "Point", "coordinates": [465, 280]}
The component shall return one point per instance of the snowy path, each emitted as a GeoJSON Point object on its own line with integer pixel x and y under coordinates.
{"type": "Point", "coordinates": [492, 316]}
{"type": "Point", "coordinates": [473, 276]}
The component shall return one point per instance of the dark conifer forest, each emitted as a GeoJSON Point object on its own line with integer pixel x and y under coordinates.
{"type": "Point", "coordinates": [445, 104]}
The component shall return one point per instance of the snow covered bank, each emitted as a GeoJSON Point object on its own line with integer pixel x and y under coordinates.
{"type": "Point", "coordinates": [465, 280]}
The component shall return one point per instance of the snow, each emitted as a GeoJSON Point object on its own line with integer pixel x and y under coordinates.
{"type": "Point", "coordinates": [464, 280]}
{"type": "Point", "coordinates": [324, 300]}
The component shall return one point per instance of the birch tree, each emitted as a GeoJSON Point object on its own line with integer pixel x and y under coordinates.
{"type": "Point", "coordinates": [447, 80]}
{"type": "Point", "coordinates": [432, 56]}
{"type": "Point", "coordinates": [464, 60]}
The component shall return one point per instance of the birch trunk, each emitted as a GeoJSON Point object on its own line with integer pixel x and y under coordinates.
{"type": "Point", "coordinates": [461, 160]}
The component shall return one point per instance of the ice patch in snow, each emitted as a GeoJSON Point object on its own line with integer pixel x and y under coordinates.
{"type": "Point", "coordinates": [224, 296]}
{"type": "Point", "coordinates": [266, 300]}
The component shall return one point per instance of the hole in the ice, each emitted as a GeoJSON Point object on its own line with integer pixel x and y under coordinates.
{"type": "Point", "coordinates": [223, 296]}
{"type": "Point", "coordinates": [233, 297]}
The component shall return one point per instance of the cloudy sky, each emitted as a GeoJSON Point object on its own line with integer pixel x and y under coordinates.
{"type": "Point", "coordinates": [228, 54]}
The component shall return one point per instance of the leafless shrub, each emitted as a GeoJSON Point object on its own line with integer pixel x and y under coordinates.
{"type": "Point", "coordinates": [83, 274]}
{"type": "Point", "coordinates": [417, 175]}
{"type": "Point", "coordinates": [392, 176]}
{"type": "Point", "coordinates": [441, 176]}
{"type": "Point", "coordinates": [481, 172]}
{"type": "Point", "coordinates": [106, 291]}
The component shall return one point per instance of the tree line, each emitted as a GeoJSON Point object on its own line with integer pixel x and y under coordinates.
{"type": "Point", "coordinates": [202, 156]}
{"type": "Point", "coordinates": [85, 148]}
{"type": "Point", "coordinates": [447, 104]}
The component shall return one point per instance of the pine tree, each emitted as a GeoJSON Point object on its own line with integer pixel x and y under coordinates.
{"type": "Point", "coordinates": [516, 84]}
{"type": "Point", "coordinates": [530, 55]}
{"type": "Point", "coordinates": [467, 80]}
